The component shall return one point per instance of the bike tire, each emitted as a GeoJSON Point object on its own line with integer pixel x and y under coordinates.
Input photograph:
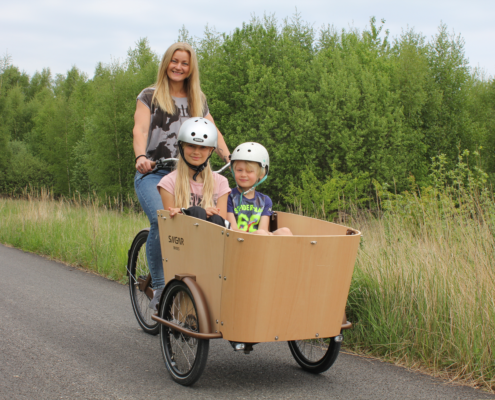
{"type": "Point", "coordinates": [185, 356]}
{"type": "Point", "coordinates": [138, 270]}
{"type": "Point", "coordinates": [315, 355]}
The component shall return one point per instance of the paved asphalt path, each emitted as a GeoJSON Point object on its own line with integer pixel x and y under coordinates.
{"type": "Point", "coordinates": [66, 333]}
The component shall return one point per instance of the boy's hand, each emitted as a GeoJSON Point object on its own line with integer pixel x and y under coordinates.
{"type": "Point", "coordinates": [174, 211]}
{"type": "Point", "coordinates": [212, 211]}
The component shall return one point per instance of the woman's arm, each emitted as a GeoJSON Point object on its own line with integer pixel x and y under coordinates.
{"type": "Point", "coordinates": [140, 136]}
{"type": "Point", "coordinates": [222, 149]}
{"type": "Point", "coordinates": [168, 201]}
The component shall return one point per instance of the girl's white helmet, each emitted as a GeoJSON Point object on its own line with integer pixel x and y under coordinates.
{"type": "Point", "coordinates": [251, 151]}
{"type": "Point", "coordinates": [199, 131]}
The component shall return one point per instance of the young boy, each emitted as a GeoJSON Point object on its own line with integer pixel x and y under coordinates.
{"type": "Point", "coordinates": [247, 209]}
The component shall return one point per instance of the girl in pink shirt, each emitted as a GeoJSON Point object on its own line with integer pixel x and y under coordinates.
{"type": "Point", "coordinates": [193, 188]}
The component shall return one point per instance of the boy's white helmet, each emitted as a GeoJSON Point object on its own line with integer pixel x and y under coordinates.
{"type": "Point", "coordinates": [199, 131]}
{"type": "Point", "coordinates": [251, 151]}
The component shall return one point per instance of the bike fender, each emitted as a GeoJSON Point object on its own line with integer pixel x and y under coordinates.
{"type": "Point", "coordinates": [199, 300]}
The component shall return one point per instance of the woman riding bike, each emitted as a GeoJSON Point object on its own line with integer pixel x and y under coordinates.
{"type": "Point", "coordinates": [160, 111]}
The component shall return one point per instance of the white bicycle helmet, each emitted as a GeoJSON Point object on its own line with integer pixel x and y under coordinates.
{"type": "Point", "coordinates": [201, 132]}
{"type": "Point", "coordinates": [251, 151]}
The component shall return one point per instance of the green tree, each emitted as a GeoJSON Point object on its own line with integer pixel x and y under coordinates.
{"type": "Point", "coordinates": [24, 169]}
{"type": "Point", "coordinates": [410, 80]}
{"type": "Point", "coordinates": [482, 112]}
{"type": "Point", "coordinates": [16, 118]}
{"type": "Point", "coordinates": [38, 82]}
{"type": "Point", "coordinates": [81, 103]}
{"type": "Point", "coordinates": [5, 152]}
{"type": "Point", "coordinates": [111, 159]}
{"type": "Point", "coordinates": [11, 76]}
{"type": "Point", "coordinates": [448, 126]}
{"type": "Point", "coordinates": [346, 107]}
{"type": "Point", "coordinates": [54, 134]}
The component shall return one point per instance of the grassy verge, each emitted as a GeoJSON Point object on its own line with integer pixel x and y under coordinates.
{"type": "Point", "coordinates": [423, 295]}
{"type": "Point", "coordinates": [80, 233]}
{"type": "Point", "coordinates": [423, 291]}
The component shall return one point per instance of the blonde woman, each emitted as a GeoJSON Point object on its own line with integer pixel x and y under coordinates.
{"type": "Point", "coordinates": [160, 111]}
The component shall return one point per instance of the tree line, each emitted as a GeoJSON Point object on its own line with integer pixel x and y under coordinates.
{"type": "Point", "coordinates": [353, 106]}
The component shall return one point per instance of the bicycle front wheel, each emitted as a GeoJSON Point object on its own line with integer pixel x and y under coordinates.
{"type": "Point", "coordinates": [140, 284]}
{"type": "Point", "coordinates": [185, 356]}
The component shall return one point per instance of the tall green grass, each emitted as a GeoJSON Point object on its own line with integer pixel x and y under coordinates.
{"type": "Point", "coordinates": [423, 290]}
{"type": "Point", "coordinates": [85, 233]}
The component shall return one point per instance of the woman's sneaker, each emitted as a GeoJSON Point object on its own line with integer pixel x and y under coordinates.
{"type": "Point", "coordinates": [156, 299]}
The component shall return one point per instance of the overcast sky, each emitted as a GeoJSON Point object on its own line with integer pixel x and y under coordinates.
{"type": "Point", "coordinates": [59, 34]}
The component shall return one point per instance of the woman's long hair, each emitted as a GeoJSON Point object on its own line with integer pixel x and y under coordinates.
{"type": "Point", "coordinates": [182, 190]}
{"type": "Point", "coordinates": [195, 97]}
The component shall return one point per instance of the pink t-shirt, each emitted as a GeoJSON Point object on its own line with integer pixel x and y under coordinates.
{"type": "Point", "coordinates": [221, 187]}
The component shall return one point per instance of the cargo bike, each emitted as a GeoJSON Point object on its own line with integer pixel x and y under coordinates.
{"type": "Point", "coordinates": [245, 288]}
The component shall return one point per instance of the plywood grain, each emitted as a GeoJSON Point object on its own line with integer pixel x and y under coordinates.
{"type": "Point", "coordinates": [285, 287]}
{"type": "Point", "coordinates": [275, 286]}
{"type": "Point", "coordinates": [194, 249]}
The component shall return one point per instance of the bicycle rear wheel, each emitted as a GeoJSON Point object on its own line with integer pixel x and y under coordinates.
{"type": "Point", "coordinates": [140, 288]}
{"type": "Point", "coordinates": [315, 355]}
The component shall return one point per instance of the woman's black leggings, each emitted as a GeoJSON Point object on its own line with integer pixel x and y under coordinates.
{"type": "Point", "coordinates": [200, 213]}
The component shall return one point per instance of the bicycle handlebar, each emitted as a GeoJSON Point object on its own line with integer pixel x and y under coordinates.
{"type": "Point", "coordinates": [164, 163]}
{"type": "Point", "coordinates": [226, 166]}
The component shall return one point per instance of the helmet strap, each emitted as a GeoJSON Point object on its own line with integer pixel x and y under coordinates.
{"type": "Point", "coordinates": [251, 189]}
